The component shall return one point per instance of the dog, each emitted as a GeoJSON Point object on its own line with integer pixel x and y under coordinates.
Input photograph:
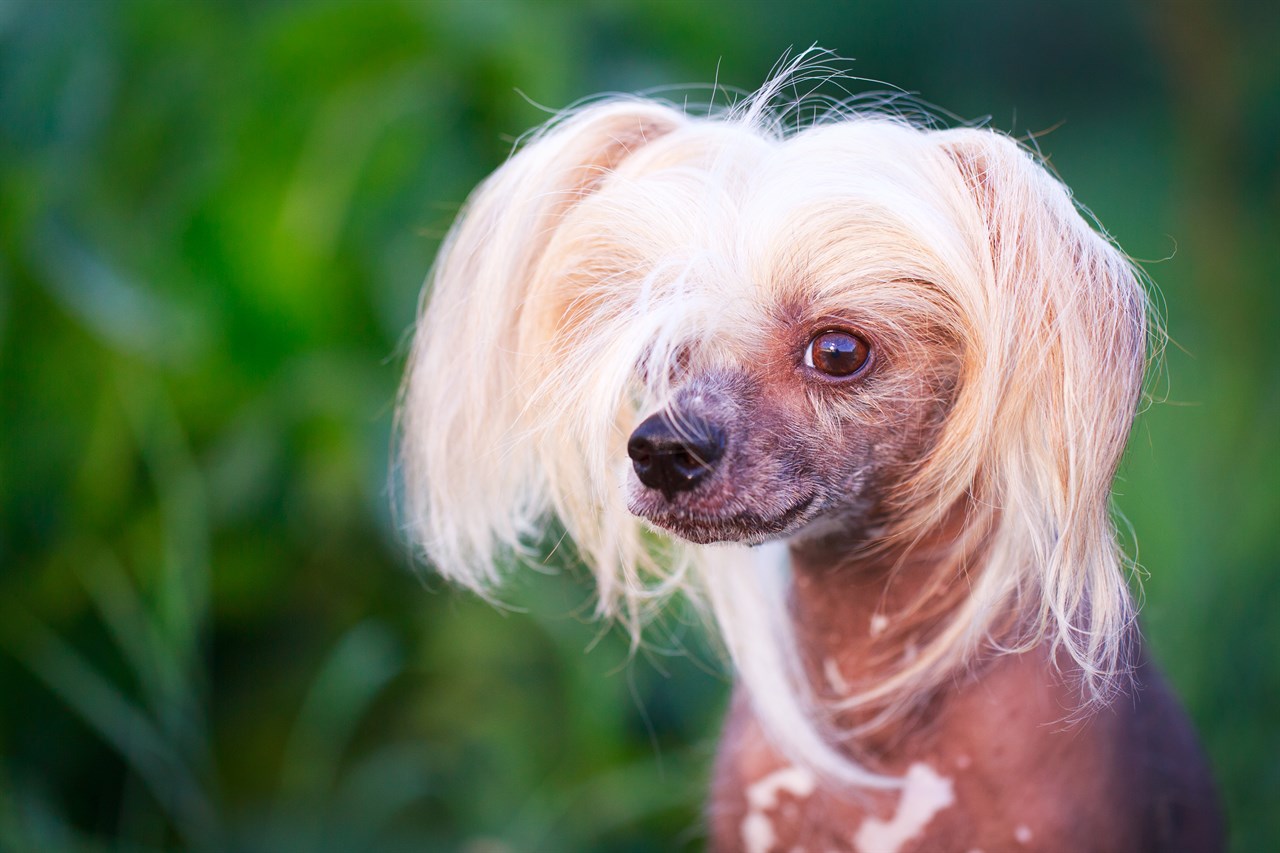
{"type": "Point", "coordinates": [859, 387]}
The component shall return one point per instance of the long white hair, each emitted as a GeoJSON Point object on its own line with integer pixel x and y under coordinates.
{"type": "Point", "coordinates": [568, 283]}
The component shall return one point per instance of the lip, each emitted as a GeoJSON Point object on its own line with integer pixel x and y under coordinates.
{"type": "Point", "coordinates": [744, 527]}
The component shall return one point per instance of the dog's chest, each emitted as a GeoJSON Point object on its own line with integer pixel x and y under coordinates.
{"type": "Point", "coordinates": [763, 803]}
{"type": "Point", "coordinates": [784, 810]}
{"type": "Point", "coordinates": [964, 788]}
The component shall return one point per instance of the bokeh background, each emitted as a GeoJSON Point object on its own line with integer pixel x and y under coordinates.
{"type": "Point", "coordinates": [214, 221]}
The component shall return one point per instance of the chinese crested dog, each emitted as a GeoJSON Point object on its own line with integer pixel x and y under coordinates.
{"type": "Point", "coordinates": [870, 383]}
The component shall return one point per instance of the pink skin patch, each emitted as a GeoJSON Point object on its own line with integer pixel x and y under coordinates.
{"type": "Point", "coordinates": [758, 835]}
{"type": "Point", "coordinates": [923, 796]}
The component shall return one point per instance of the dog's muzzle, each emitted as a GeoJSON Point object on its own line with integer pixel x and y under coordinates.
{"type": "Point", "coordinates": [675, 456]}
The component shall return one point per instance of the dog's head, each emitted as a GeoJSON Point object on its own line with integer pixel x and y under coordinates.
{"type": "Point", "coordinates": [739, 334]}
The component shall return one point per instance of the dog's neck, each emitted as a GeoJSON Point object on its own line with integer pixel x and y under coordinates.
{"type": "Point", "coordinates": [862, 610]}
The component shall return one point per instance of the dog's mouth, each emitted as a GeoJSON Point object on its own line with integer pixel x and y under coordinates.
{"type": "Point", "coordinates": [700, 527]}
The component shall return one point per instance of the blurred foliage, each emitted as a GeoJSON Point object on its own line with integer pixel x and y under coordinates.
{"type": "Point", "coordinates": [214, 222]}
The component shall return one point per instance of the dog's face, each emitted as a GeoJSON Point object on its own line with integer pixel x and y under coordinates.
{"type": "Point", "coordinates": [806, 432]}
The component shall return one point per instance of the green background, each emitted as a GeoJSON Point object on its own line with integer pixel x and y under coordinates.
{"type": "Point", "coordinates": [214, 222]}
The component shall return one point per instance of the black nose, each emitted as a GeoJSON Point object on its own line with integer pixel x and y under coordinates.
{"type": "Point", "coordinates": [674, 457]}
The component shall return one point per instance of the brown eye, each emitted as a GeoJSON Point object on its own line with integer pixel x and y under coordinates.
{"type": "Point", "coordinates": [836, 353]}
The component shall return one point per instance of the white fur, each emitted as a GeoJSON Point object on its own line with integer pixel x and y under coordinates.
{"type": "Point", "coordinates": [627, 229]}
{"type": "Point", "coordinates": [835, 678]}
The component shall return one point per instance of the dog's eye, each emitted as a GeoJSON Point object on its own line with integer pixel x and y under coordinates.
{"type": "Point", "coordinates": [836, 353]}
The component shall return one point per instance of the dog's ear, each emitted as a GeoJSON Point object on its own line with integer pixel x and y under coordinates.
{"type": "Point", "coordinates": [1051, 378]}
{"type": "Point", "coordinates": [473, 492]}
